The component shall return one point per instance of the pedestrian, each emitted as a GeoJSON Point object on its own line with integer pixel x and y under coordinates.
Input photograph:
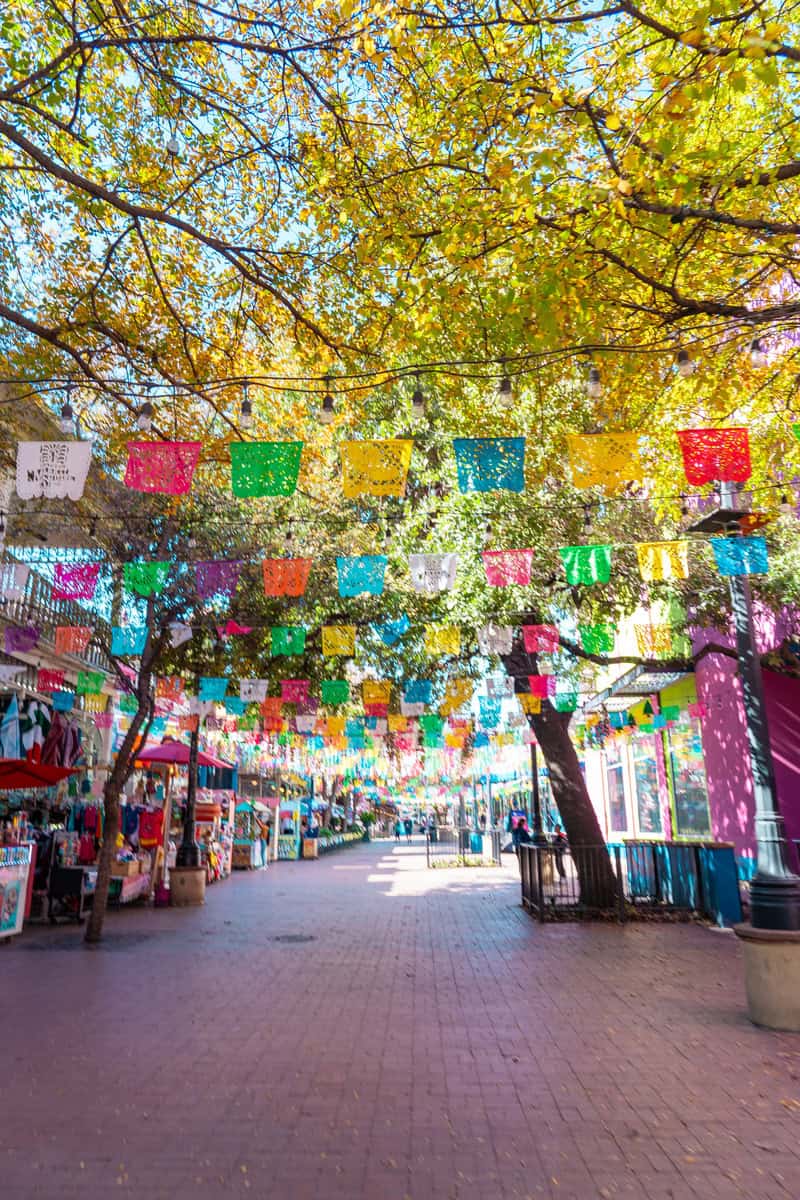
{"type": "Point", "coordinates": [398, 829]}
{"type": "Point", "coordinates": [409, 828]}
{"type": "Point", "coordinates": [560, 843]}
{"type": "Point", "coordinates": [483, 822]}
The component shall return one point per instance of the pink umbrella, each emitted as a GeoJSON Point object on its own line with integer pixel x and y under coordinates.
{"type": "Point", "coordinates": [178, 752]}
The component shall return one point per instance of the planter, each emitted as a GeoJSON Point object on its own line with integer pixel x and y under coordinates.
{"type": "Point", "coordinates": [187, 886]}
{"type": "Point", "coordinates": [310, 848]}
{"type": "Point", "coordinates": [772, 976]}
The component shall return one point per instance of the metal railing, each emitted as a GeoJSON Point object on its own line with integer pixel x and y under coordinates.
{"type": "Point", "coordinates": [38, 605]}
{"type": "Point", "coordinates": [462, 847]}
{"type": "Point", "coordinates": [619, 880]}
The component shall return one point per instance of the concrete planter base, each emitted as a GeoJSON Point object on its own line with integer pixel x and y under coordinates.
{"type": "Point", "coordinates": [772, 976]}
{"type": "Point", "coordinates": [187, 886]}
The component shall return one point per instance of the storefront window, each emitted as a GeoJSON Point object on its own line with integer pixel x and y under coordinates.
{"type": "Point", "coordinates": [689, 781]}
{"type": "Point", "coordinates": [645, 782]}
{"type": "Point", "coordinates": [615, 788]}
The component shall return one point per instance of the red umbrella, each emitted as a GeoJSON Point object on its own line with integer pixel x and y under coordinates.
{"type": "Point", "coordinates": [18, 773]}
{"type": "Point", "coordinates": [178, 752]}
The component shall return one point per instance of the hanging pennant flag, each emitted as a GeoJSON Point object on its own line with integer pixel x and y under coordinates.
{"type": "Point", "coordinates": [663, 560]}
{"type": "Point", "coordinates": [497, 689]}
{"type": "Point", "coordinates": [339, 640]}
{"type": "Point", "coordinates": [540, 639]}
{"type": "Point", "coordinates": [166, 468]}
{"type": "Point", "coordinates": [103, 720]}
{"type": "Point", "coordinates": [457, 693]}
{"type": "Point", "coordinates": [127, 703]}
{"type": "Point", "coordinates": [507, 568]}
{"type": "Point", "coordinates": [89, 682]}
{"type": "Point", "coordinates": [63, 701]}
{"type": "Point", "coordinates": [442, 639]}
{"type": "Point", "coordinates": [740, 555]}
{"type": "Point", "coordinates": [288, 639]}
{"type": "Point", "coordinates": [179, 633]}
{"type": "Point", "coordinates": [377, 725]}
{"type": "Point", "coordinates": [405, 742]}
{"type": "Point", "coordinates": [597, 639]}
{"type": "Point", "coordinates": [55, 470]}
{"type": "Point", "coordinates": [375, 468]}
{"type": "Point", "coordinates": [335, 691]}
{"type": "Point", "coordinates": [697, 709]}
{"type": "Point", "coordinates": [145, 578]}
{"type": "Point", "coordinates": [75, 583]}
{"type": "Point", "coordinates": [608, 460]}
{"type": "Point", "coordinates": [234, 705]}
{"type": "Point", "coordinates": [49, 680]}
{"type": "Point", "coordinates": [95, 702]}
{"type": "Point", "coordinates": [376, 710]}
{"type": "Point", "coordinates": [285, 576]}
{"type": "Point", "coordinates": [253, 691]}
{"type": "Point", "coordinates": [294, 691]}
{"type": "Point", "coordinates": [653, 641]}
{"type": "Point", "coordinates": [565, 702]}
{"type": "Point", "coordinates": [431, 573]}
{"type": "Point", "coordinates": [13, 580]}
{"type": "Point", "coordinates": [490, 464]}
{"type": "Point", "coordinates": [430, 723]}
{"type": "Point", "coordinates": [334, 726]}
{"type": "Point", "coordinates": [418, 691]}
{"type": "Point", "coordinates": [265, 468]}
{"type": "Point", "coordinates": [412, 708]}
{"type": "Point", "coordinates": [715, 455]}
{"type": "Point", "coordinates": [72, 639]}
{"type": "Point", "coordinates": [363, 573]}
{"type": "Point", "coordinates": [216, 578]}
{"type": "Point", "coordinates": [489, 712]}
{"type": "Point", "coordinates": [495, 639]}
{"type": "Point", "coordinates": [8, 672]}
{"type": "Point", "coordinates": [232, 629]}
{"type": "Point", "coordinates": [390, 632]}
{"type": "Point", "coordinates": [305, 724]}
{"type": "Point", "coordinates": [376, 691]}
{"type": "Point", "coordinates": [169, 687]}
{"type": "Point", "coordinates": [20, 639]}
{"type": "Point", "coordinates": [354, 726]}
{"type": "Point", "coordinates": [530, 705]}
{"type": "Point", "coordinates": [271, 706]}
{"type": "Point", "coordinates": [542, 685]}
{"type": "Point", "coordinates": [397, 723]}
{"type": "Point", "coordinates": [586, 564]}
{"type": "Point", "coordinates": [212, 687]}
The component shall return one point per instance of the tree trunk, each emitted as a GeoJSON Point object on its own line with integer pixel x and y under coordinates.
{"type": "Point", "coordinates": [587, 844]}
{"type": "Point", "coordinates": [188, 854]}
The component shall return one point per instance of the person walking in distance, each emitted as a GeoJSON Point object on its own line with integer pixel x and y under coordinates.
{"type": "Point", "coordinates": [409, 828]}
{"type": "Point", "coordinates": [560, 843]}
{"type": "Point", "coordinates": [398, 829]}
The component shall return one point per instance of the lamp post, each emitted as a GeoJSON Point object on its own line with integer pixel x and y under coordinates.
{"type": "Point", "coordinates": [536, 800]}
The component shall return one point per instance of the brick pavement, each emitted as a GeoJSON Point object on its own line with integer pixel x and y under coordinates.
{"type": "Point", "coordinates": [431, 1041]}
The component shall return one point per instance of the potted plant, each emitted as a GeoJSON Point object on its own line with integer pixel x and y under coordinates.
{"type": "Point", "coordinates": [367, 820]}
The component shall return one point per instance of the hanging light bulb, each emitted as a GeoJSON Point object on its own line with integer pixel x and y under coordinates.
{"type": "Point", "coordinates": [2, 524]}
{"type": "Point", "coordinates": [418, 401]}
{"type": "Point", "coordinates": [245, 410]}
{"type": "Point", "coordinates": [144, 420]}
{"type": "Point", "coordinates": [505, 392]}
{"type": "Point", "coordinates": [594, 385]}
{"type": "Point", "coordinates": [173, 146]}
{"type": "Point", "coordinates": [758, 355]}
{"type": "Point", "coordinates": [686, 364]}
{"type": "Point", "coordinates": [66, 420]}
{"type": "Point", "coordinates": [289, 538]}
{"type": "Point", "coordinates": [326, 412]}
{"type": "Point", "coordinates": [786, 505]}
{"type": "Point", "coordinates": [684, 504]}
{"type": "Point", "coordinates": [587, 516]}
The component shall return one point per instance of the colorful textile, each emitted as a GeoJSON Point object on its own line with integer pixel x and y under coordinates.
{"type": "Point", "coordinates": [63, 701]}
{"type": "Point", "coordinates": [653, 641]}
{"type": "Point", "coordinates": [542, 685]}
{"type": "Point", "coordinates": [375, 468]}
{"type": "Point", "coordinates": [376, 691]}
{"type": "Point", "coordinates": [376, 709]}
{"type": "Point", "coordinates": [597, 639]}
{"type": "Point", "coordinates": [489, 711]}
{"type": "Point", "coordinates": [265, 468]}
{"type": "Point", "coordinates": [490, 464]}
{"type": "Point", "coordinates": [75, 583]}
{"type": "Point", "coordinates": [235, 706]}
{"type": "Point", "coordinates": [232, 629]}
{"type": "Point", "coordinates": [89, 682]}
{"type": "Point", "coordinates": [663, 560]}
{"type": "Point", "coordinates": [457, 693]}
{"type": "Point", "coordinates": [20, 639]}
{"type": "Point", "coordinates": [431, 723]}
{"type": "Point", "coordinates": [431, 573]}
{"type": "Point", "coordinates": [128, 639]}
{"type": "Point", "coordinates": [565, 701]}
{"type": "Point", "coordinates": [126, 704]}
{"type": "Point", "coordinates": [363, 573]}
{"type": "Point", "coordinates": [166, 468]}
{"type": "Point", "coordinates": [48, 680]}
{"type": "Point", "coordinates": [179, 633]}
{"type": "Point", "coordinates": [103, 720]}
{"type": "Point", "coordinates": [715, 455]}
{"type": "Point", "coordinates": [586, 564]}
{"type": "Point", "coordinates": [411, 708]}
{"type": "Point", "coordinates": [418, 691]}
{"type": "Point", "coordinates": [271, 706]}
{"type": "Point", "coordinates": [740, 555]}
{"type": "Point", "coordinates": [335, 691]}
{"type": "Point", "coordinates": [216, 578]}
{"type": "Point", "coordinates": [608, 460]}
{"type": "Point", "coordinates": [13, 580]}
{"type": "Point", "coordinates": [304, 723]}
{"type": "Point", "coordinates": [72, 639]}
{"type": "Point", "coordinates": [8, 671]}
{"type": "Point", "coordinates": [335, 726]}
{"type": "Point", "coordinates": [390, 632]}
{"type": "Point", "coordinates": [339, 640]}
{"type": "Point", "coordinates": [253, 691]}
{"type": "Point", "coordinates": [397, 723]}
{"type": "Point", "coordinates": [495, 639]}
{"type": "Point", "coordinates": [498, 688]}
{"type": "Point", "coordinates": [294, 691]}
{"type": "Point", "coordinates": [55, 470]}
{"type": "Point", "coordinates": [442, 639]}
{"type": "Point", "coordinates": [169, 687]}
{"type": "Point", "coordinates": [507, 568]}
{"type": "Point", "coordinates": [530, 705]}
{"type": "Point", "coordinates": [540, 639]}
{"type": "Point", "coordinates": [145, 578]}
{"type": "Point", "coordinates": [188, 723]}
{"type": "Point", "coordinates": [288, 639]}
{"type": "Point", "coordinates": [212, 687]}
{"type": "Point", "coordinates": [354, 726]}
{"type": "Point", "coordinates": [285, 576]}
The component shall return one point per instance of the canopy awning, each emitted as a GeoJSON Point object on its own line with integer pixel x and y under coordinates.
{"type": "Point", "coordinates": [17, 774]}
{"type": "Point", "coordinates": [178, 752]}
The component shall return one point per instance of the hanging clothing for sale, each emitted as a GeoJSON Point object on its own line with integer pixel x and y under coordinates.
{"type": "Point", "coordinates": [151, 825]}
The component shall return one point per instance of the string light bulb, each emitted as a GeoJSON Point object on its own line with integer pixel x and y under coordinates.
{"type": "Point", "coordinates": [326, 412]}
{"type": "Point", "coordinates": [173, 147]}
{"type": "Point", "coordinates": [505, 392]}
{"type": "Point", "coordinates": [144, 420]}
{"type": "Point", "coordinates": [786, 505]}
{"type": "Point", "coordinates": [418, 401]}
{"type": "Point", "coordinates": [684, 504]}
{"type": "Point", "coordinates": [686, 364]}
{"type": "Point", "coordinates": [758, 355]}
{"type": "Point", "coordinates": [289, 538]}
{"type": "Point", "coordinates": [587, 516]}
{"type": "Point", "coordinates": [66, 420]}
{"type": "Point", "coordinates": [245, 409]}
{"type": "Point", "coordinates": [594, 384]}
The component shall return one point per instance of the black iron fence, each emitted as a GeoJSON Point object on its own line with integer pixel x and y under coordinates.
{"type": "Point", "coordinates": [619, 880]}
{"type": "Point", "coordinates": [462, 847]}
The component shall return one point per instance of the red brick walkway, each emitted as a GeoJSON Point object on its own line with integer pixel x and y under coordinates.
{"type": "Point", "coordinates": [431, 1042]}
